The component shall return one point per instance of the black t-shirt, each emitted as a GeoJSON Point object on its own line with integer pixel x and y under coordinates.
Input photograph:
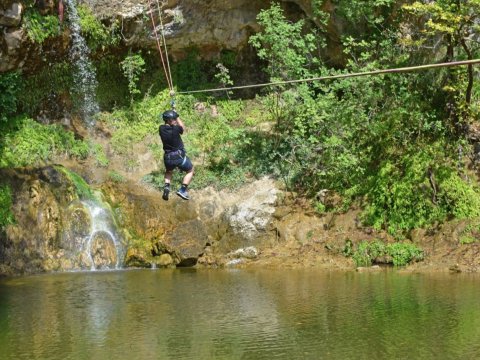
{"type": "Point", "coordinates": [171, 138]}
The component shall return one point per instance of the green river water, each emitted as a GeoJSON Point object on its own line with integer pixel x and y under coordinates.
{"type": "Point", "coordinates": [240, 314]}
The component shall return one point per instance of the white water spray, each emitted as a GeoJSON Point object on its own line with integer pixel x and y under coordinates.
{"type": "Point", "coordinates": [84, 75]}
{"type": "Point", "coordinates": [102, 224]}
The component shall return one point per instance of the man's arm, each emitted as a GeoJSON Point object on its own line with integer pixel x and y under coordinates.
{"type": "Point", "coordinates": [181, 124]}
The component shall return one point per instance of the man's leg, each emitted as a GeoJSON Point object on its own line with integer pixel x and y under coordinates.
{"type": "Point", "coordinates": [183, 193]}
{"type": "Point", "coordinates": [188, 177]}
{"type": "Point", "coordinates": [168, 176]}
{"type": "Point", "coordinates": [168, 180]}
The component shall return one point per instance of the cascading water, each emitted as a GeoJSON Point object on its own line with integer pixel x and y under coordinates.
{"type": "Point", "coordinates": [102, 246]}
{"type": "Point", "coordinates": [84, 75]}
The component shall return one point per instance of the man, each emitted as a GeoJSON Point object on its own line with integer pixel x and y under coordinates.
{"type": "Point", "coordinates": [174, 156]}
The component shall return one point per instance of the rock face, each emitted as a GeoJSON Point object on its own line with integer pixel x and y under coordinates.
{"type": "Point", "coordinates": [11, 16]}
{"type": "Point", "coordinates": [210, 26]}
{"type": "Point", "coordinates": [209, 225]}
{"type": "Point", "coordinates": [53, 229]}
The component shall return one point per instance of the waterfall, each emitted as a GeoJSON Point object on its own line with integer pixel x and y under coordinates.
{"type": "Point", "coordinates": [102, 246]}
{"type": "Point", "coordinates": [84, 75]}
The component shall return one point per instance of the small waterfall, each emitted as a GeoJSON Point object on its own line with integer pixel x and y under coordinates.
{"type": "Point", "coordinates": [84, 75]}
{"type": "Point", "coordinates": [102, 246]}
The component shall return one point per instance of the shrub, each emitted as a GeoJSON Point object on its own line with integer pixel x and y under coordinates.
{"type": "Point", "coordinates": [10, 86]}
{"type": "Point", "coordinates": [133, 66]}
{"type": "Point", "coordinates": [97, 34]}
{"type": "Point", "coordinates": [402, 253]}
{"type": "Point", "coordinates": [38, 27]}
{"type": "Point", "coordinates": [30, 143]}
{"type": "Point", "coordinates": [6, 215]}
{"type": "Point", "coordinates": [46, 87]}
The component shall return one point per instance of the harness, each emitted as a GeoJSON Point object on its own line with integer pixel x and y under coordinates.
{"type": "Point", "coordinates": [179, 152]}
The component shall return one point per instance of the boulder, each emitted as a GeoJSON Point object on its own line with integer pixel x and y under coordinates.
{"type": "Point", "coordinates": [12, 16]}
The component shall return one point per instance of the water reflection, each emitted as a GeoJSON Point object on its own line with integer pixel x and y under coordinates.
{"type": "Point", "coordinates": [284, 314]}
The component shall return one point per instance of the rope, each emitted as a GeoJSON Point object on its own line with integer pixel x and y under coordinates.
{"type": "Point", "coordinates": [342, 76]}
{"type": "Point", "coordinates": [170, 85]}
{"type": "Point", "coordinates": [164, 43]}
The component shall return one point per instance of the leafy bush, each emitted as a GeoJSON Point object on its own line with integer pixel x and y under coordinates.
{"type": "Point", "coordinates": [30, 143]}
{"type": "Point", "coordinates": [99, 153]}
{"type": "Point", "coordinates": [288, 49]}
{"type": "Point", "coordinates": [404, 253]}
{"type": "Point", "coordinates": [401, 253]}
{"type": "Point", "coordinates": [190, 73]}
{"type": "Point", "coordinates": [366, 252]}
{"type": "Point", "coordinates": [38, 27]}
{"type": "Point", "coordinates": [97, 34]}
{"type": "Point", "coordinates": [133, 66]}
{"type": "Point", "coordinates": [461, 199]}
{"type": "Point", "coordinates": [6, 215]}
{"type": "Point", "coordinates": [112, 90]}
{"type": "Point", "coordinates": [134, 123]}
{"type": "Point", "coordinates": [46, 87]}
{"type": "Point", "coordinates": [10, 86]}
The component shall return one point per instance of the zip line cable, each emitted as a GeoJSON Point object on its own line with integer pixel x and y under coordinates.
{"type": "Point", "coordinates": [164, 44]}
{"type": "Point", "coordinates": [342, 76]}
{"type": "Point", "coordinates": [170, 85]}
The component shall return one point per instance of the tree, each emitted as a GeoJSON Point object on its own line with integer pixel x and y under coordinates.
{"type": "Point", "coordinates": [288, 51]}
{"type": "Point", "coordinates": [453, 24]}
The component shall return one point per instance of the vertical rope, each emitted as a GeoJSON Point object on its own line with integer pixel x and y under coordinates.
{"type": "Point", "coordinates": [170, 86]}
{"type": "Point", "coordinates": [164, 42]}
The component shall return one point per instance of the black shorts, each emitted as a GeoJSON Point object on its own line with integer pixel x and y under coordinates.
{"type": "Point", "coordinates": [177, 159]}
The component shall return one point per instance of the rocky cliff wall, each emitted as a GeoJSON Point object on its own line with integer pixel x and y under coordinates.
{"type": "Point", "coordinates": [209, 25]}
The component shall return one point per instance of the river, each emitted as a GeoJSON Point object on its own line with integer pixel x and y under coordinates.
{"type": "Point", "coordinates": [240, 314]}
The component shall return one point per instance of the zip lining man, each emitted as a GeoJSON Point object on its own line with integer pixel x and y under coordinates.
{"type": "Point", "coordinates": [175, 155]}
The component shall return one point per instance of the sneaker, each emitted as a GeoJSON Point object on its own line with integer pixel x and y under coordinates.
{"type": "Point", "coordinates": [183, 194]}
{"type": "Point", "coordinates": [166, 191]}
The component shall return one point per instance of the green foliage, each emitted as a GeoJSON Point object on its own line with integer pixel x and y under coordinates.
{"type": "Point", "coordinates": [49, 86]}
{"type": "Point", "coordinates": [451, 25]}
{"type": "Point", "coordinates": [25, 142]}
{"type": "Point", "coordinates": [97, 34]}
{"type": "Point", "coordinates": [401, 253]}
{"type": "Point", "coordinates": [84, 191]}
{"type": "Point", "coordinates": [470, 234]}
{"type": "Point", "coordinates": [38, 27]}
{"type": "Point", "coordinates": [6, 201]}
{"type": "Point", "coordinates": [460, 198]}
{"type": "Point", "coordinates": [190, 73]}
{"type": "Point", "coordinates": [467, 239]}
{"type": "Point", "coordinates": [99, 153]}
{"type": "Point", "coordinates": [289, 51]}
{"type": "Point", "coordinates": [220, 177]}
{"type": "Point", "coordinates": [112, 90]}
{"type": "Point", "coordinates": [223, 77]}
{"type": "Point", "coordinates": [400, 195]}
{"type": "Point", "coordinates": [404, 253]}
{"type": "Point", "coordinates": [133, 66]}
{"type": "Point", "coordinates": [373, 12]}
{"type": "Point", "coordinates": [116, 177]}
{"type": "Point", "coordinates": [134, 123]}
{"type": "Point", "coordinates": [10, 86]}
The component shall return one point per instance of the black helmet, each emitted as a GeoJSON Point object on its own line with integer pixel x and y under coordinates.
{"type": "Point", "coordinates": [169, 115]}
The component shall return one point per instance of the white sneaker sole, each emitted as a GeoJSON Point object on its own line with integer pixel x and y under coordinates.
{"type": "Point", "coordinates": [183, 196]}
